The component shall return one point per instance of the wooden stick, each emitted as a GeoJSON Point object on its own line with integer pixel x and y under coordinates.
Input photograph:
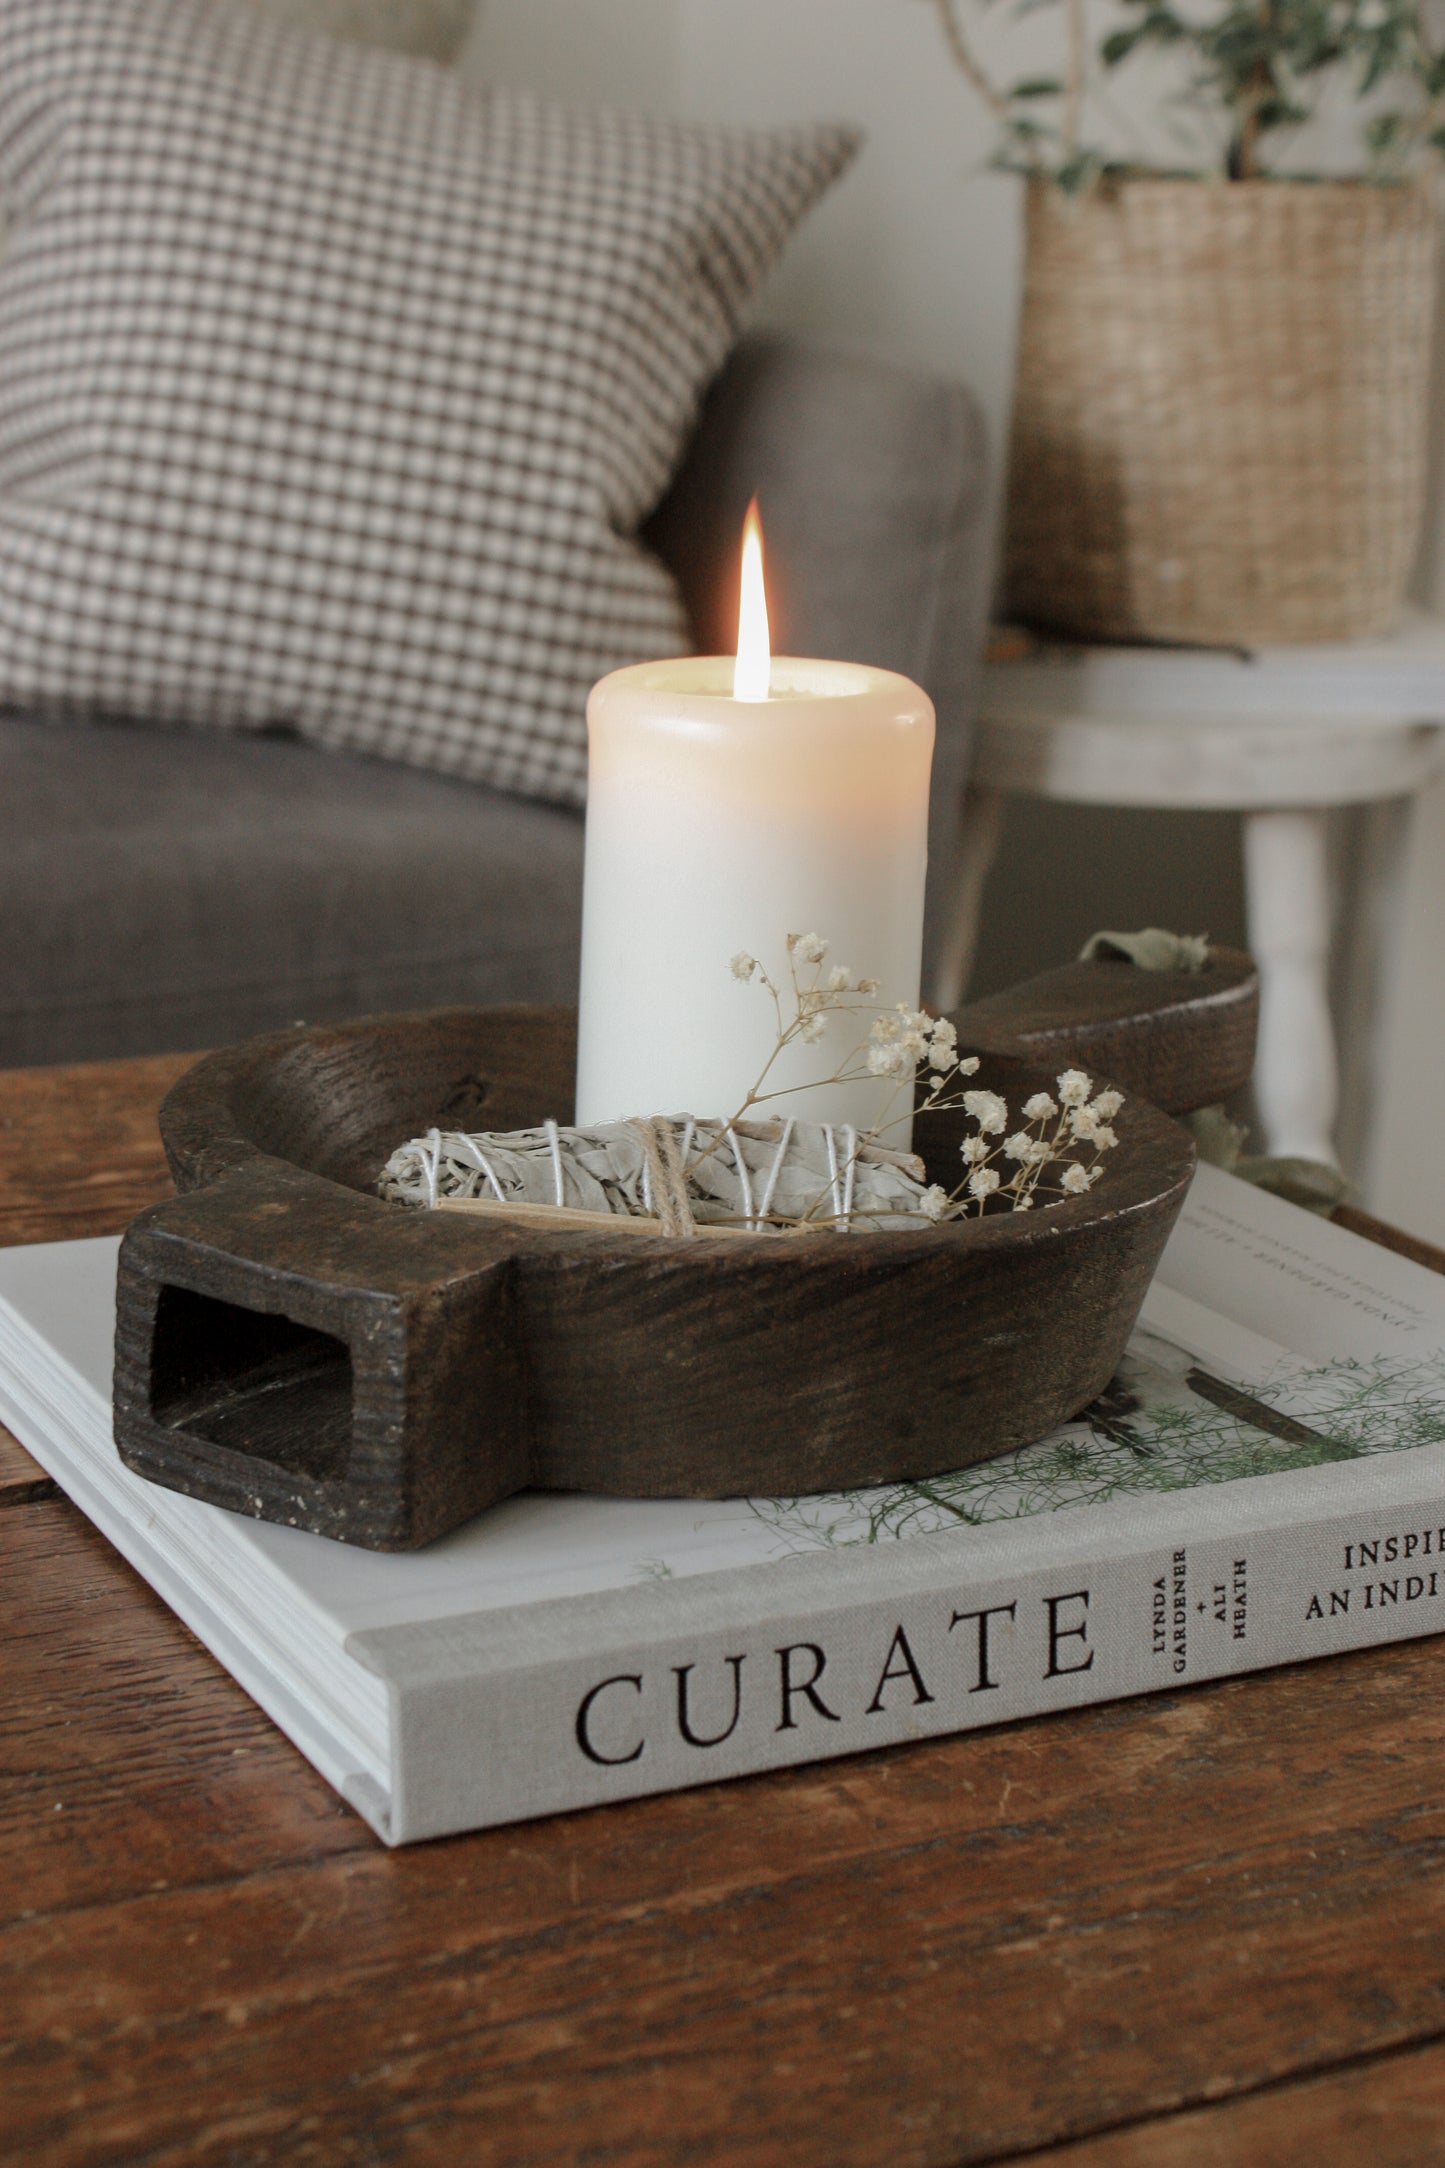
{"type": "Point", "coordinates": [572, 1216]}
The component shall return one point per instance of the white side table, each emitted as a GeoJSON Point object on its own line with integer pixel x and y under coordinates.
{"type": "Point", "coordinates": [1280, 735]}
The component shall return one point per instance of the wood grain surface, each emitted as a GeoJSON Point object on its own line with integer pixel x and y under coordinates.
{"type": "Point", "coordinates": [21, 1479]}
{"type": "Point", "coordinates": [1387, 2111]}
{"type": "Point", "coordinates": [80, 1153]}
{"type": "Point", "coordinates": [1180, 1039]}
{"type": "Point", "coordinates": [1203, 1928]}
{"type": "Point", "coordinates": [1391, 1238]}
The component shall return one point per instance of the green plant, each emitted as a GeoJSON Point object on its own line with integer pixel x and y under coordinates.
{"type": "Point", "coordinates": [1248, 73]}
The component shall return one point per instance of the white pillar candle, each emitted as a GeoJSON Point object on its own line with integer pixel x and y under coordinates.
{"type": "Point", "coordinates": [718, 823]}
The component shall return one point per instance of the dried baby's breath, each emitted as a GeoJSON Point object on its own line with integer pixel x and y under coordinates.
{"type": "Point", "coordinates": [1051, 1149]}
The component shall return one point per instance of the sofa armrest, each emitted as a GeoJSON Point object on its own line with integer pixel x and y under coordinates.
{"type": "Point", "coordinates": [872, 481]}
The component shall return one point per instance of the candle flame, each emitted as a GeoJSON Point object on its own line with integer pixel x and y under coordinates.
{"type": "Point", "coordinates": [752, 672]}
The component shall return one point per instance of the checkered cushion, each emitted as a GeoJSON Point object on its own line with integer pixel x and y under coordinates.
{"type": "Point", "coordinates": [437, 28]}
{"type": "Point", "coordinates": [333, 391]}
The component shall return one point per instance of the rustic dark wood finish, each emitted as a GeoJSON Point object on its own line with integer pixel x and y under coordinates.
{"type": "Point", "coordinates": [290, 1347]}
{"type": "Point", "coordinates": [1188, 1043]}
{"type": "Point", "coordinates": [79, 1150]}
{"type": "Point", "coordinates": [1385, 2112]}
{"type": "Point", "coordinates": [942, 1955]}
{"type": "Point", "coordinates": [1356, 1222]}
{"type": "Point", "coordinates": [21, 1479]}
{"type": "Point", "coordinates": [1195, 1929]}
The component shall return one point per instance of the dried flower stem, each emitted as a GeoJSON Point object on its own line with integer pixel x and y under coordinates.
{"type": "Point", "coordinates": [963, 54]}
{"type": "Point", "coordinates": [1055, 1153]}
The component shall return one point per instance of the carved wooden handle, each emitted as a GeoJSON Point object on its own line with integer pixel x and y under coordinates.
{"type": "Point", "coordinates": [1183, 1039]}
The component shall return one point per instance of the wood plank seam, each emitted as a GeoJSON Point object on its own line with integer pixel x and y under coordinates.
{"type": "Point", "coordinates": [22, 1480]}
{"type": "Point", "coordinates": [1289, 2081]}
{"type": "Point", "coordinates": [28, 1493]}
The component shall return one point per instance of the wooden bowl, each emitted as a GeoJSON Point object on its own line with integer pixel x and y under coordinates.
{"type": "Point", "coordinates": [291, 1347]}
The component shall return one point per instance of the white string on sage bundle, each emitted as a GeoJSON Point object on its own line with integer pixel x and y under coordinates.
{"type": "Point", "coordinates": [678, 1175]}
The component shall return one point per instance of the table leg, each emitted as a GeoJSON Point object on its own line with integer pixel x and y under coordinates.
{"type": "Point", "coordinates": [1287, 893]}
{"type": "Point", "coordinates": [1368, 940]}
{"type": "Point", "coordinates": [978, 834]}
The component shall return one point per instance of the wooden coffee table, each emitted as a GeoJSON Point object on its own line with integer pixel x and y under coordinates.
{"type": "Point", "coordinates": [1198, 1928]}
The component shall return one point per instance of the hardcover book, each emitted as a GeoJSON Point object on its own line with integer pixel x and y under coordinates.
{"type": "Point", "coordinates": [1263, 1481]}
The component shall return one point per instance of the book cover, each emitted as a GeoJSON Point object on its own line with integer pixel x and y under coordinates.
{"type": "Point", "coordinates": [1263, 1481]}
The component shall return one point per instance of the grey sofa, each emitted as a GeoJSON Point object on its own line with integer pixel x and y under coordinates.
{"type": "Point", "coordinates": [167, 890]}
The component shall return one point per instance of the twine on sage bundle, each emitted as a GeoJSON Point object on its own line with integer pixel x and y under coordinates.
{"type": "Point", "coordinates": [664, 1174]}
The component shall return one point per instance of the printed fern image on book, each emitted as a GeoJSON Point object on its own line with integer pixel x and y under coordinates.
{"type": "Point", "coordinates": [1166, 1423]}
{"type": "Point", "coordinates": [1263, 1481]}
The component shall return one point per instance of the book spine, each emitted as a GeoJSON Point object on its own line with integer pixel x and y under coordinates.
{"type": "Point", "coordinates": [710, 1689]}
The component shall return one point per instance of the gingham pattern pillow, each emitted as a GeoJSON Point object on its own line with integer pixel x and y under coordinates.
{"type": "Point", "coordinates": [437, 28]}
{"type": "Point", "coordinates": [333, 391]}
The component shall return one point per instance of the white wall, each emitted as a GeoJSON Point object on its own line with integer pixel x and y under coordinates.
{"type": "Point", "coordinates": [917, 255]}
{"type": "Point", "coordinates": [916, 252]}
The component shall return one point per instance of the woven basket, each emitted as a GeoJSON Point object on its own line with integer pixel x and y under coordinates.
{"type": "Point", "coordinates": [1219, 427]}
